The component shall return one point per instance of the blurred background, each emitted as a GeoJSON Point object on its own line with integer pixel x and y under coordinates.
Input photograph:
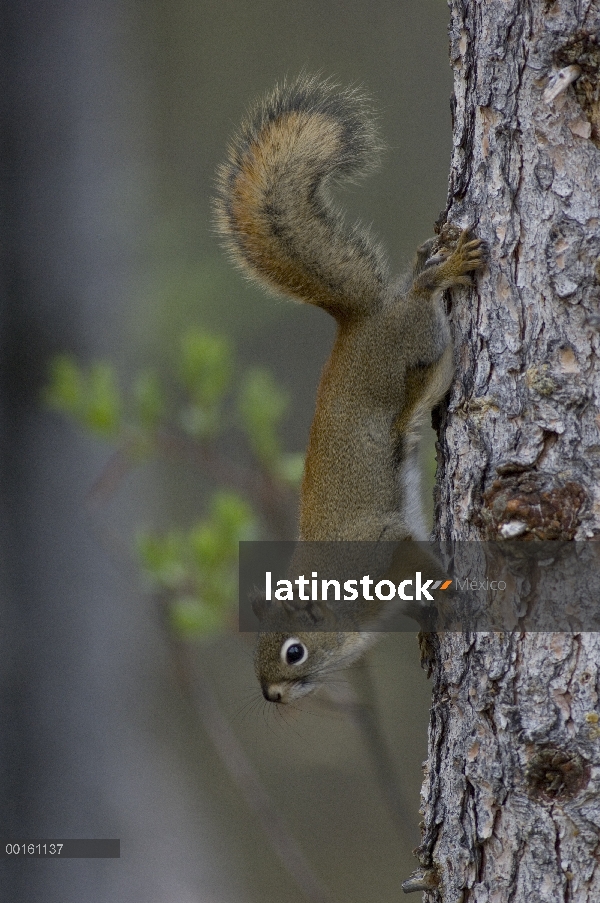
{"type": "Point", "coordinates": [126, 712]}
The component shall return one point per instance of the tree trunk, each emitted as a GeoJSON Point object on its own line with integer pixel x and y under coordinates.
{"type": "Point", "coordinates": [511, 798]}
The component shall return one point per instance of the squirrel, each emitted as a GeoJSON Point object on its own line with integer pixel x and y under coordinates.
{"type": "Point", "coordinates": [392, 359]}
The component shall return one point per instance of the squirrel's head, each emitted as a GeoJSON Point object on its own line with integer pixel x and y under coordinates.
{"type": "Point", "coordinates": [291, 662]}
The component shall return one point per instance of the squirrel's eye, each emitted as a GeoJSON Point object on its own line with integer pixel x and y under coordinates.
{"type": "Point", "coordinates": [293, 652]}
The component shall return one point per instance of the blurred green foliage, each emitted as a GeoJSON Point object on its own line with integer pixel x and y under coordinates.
{"type": "Point", "coordinates": [195, 569]}
{"type": "Point", "coordinates": [262, 405]}
{"type": "Point", "coordinates": [150, 402]}
{"type": "Point", "coordinates": [91, 397]}
{"type": "Point", "coordinates": [188, 289]}
{"type": "Point", "coordinates": [205, 371]}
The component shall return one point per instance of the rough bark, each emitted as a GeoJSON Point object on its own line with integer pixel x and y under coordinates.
{"type": "Point", "coordinates": [511, 795]}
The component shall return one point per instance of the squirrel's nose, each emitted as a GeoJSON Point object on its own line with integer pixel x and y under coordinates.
{"type": "Point", "coordinates": [271, 693]}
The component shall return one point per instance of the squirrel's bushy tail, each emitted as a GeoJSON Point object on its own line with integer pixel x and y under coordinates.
{"type": "Point", "coordinates": [273, 205]}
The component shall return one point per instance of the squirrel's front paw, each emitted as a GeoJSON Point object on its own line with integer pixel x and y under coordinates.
{"type": "Point", "coordinates": [471, 250]}
{"type": "Point", "coordinates": [470, 254]}
{"type": "Point", "coordinates": [453, 256]}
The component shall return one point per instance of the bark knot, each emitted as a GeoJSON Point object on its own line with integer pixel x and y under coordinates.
{"type": "Point", "coordinates": [544, 512]}
{"type": "Point", "coordinates": [583, 50]}
{"type": "Point", "coordinates": [557, 774]}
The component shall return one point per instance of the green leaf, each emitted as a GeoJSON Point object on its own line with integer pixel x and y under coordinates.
{"type": "Point", "coordinates": [232, 517]}
{"type": "Point", "coordinates": [262, 405]}
{"type": "Point", "coordinates": [206, 366]}
{"type": "Point", "coordinates": [92, 398]}
{"type": "Point", "coordinates": [102, 404]}
{"type": "Point", "coordinates": [163, 558]}
{"type": "Point", "coordinates": [291, 468]}
{"type": "Point", "coordinates": [149, 398]}
{"type": "Point", "coordinates": [206, 546]}
{"type": "Point", "coordinates": [66, 387]}
{"type": "Point", "coordinates": [214, 541]}
{"type": "Point", "coordinates": [192, 617]}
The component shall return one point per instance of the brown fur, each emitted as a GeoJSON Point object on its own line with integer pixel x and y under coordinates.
{"type": "Point", "coordinates": [274, 208]}
{"type": "Point", "coordinates": [386, 371]}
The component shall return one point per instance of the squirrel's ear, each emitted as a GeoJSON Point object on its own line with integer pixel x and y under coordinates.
{"type": "Point", "coordinates": [260, 606]}
{"type": "Point", "coordinates": [289, 607]}
{"type": "Point", "coordinates": [320, 613]}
